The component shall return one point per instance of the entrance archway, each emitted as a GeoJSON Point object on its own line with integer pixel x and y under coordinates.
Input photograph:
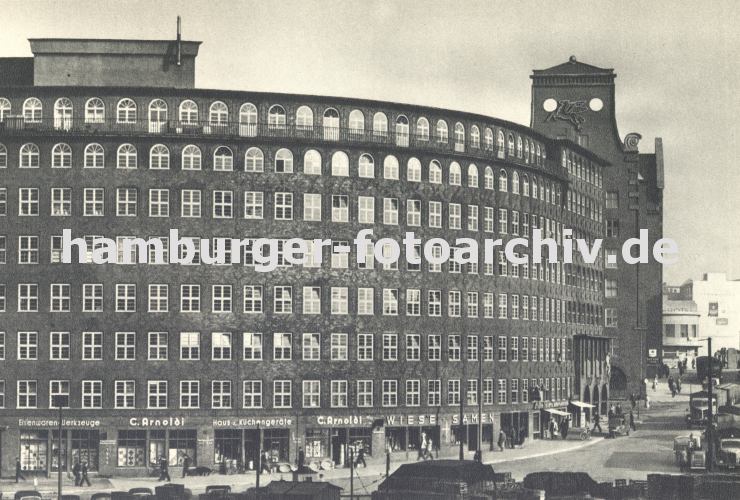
{"type": "Point", "coordinates": [595, 401]}
{"type": "Point", "coordinates": [618, 383]}
{"type": "Point", "coordinates": [587, 399]}
{"type": "Point", "coordinates": [604, 399]}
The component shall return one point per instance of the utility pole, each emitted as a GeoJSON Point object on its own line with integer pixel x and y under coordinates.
{"type": "Point", "coordinates": [59, 450]}
{"type": "Point", "coordinates": [460, 424]}
{"type": "Point", "coordinates": [480, 397]}
{"type": "Point", "coordinates": [259, 462]}
{"type": "Point", "coordinates": [710, 418]}
{"type": "Point", "coordinates": [351, 474]}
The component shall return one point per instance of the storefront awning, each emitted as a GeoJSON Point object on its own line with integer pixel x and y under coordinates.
{"type": "Point", "coordinates": [581, 404]}
{"type": "Point", "coordinates": [557, 412]}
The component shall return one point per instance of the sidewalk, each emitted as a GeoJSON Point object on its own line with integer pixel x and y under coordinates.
{"type": "Point", "coordinates": [373, 474]}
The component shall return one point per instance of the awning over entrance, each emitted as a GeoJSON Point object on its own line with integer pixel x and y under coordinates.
{"type": "Point", "coordinates": [581, 404]}
{"type": "Point", "coordinates": [557, 412]}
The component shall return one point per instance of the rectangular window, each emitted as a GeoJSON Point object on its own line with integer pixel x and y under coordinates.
{"type": "Point", "coordinates": [92, 394]}
{"type": "Point", "coordinates": [612, 199]}
{"type": "Point", "coordinates": [435, 214]}
{"type": "Point", "coordinates": [472, 348]}
{"type": "Point", "coordinates": [282, 394]}
{"type": "Point", "coordinates": [59, 346]}
{"type": "Point", "coordinates": [125, 393]}
{"type": "Point", "coordinates": [610, 317]}
{"type": "Point", "coordinates": [189, 394]}
{"type": "Point", "coordinates": [282, 346]}
{"type": "Point", "coordinates": [488, 391]}
{"type": "Point", "coordinates": [340, 208]}
{"type": "Point", "coordinates": [189, 346]}
{"type": "Point", "coordinates": [339, 346]}
{"type": "Point", "coordinates": [223, 204]}
{"type": "Point", "coordinates": [189, 298]}
{"type": "Point", "coordinates": [158, 298]}
{"type": "Point", "coordinates": [390, 302]}
{"type": "Point", "coordinates": [157, 394]}
{"type": "Point", "coordinates": [365, 347]}
{"type": "Point", "coordinates": [283, 206]}
{"type": "Point", "coordinates": [390, 211]}
{"type": "Point", "coordinates": [311, 346]}
{"type": "Point", "coordinates": [413, 347]}
{"type": "Point", "coordinates": [488, 348]}
{"type": "Point", "coordinates": [158, 349]}
{"type": "Point", "coordinates": [455, 216]}
{"type": "Point", "coordinates": [126, 202]}
{"type": "Point", "coordinates": [27, 394]}
{"type": "Point", "coordinates": [610, 288]}
{"type": "Point", "coordinates": [472, 217]}
{"type": "Point", "coordinates": [502, 347]}
{"type": "Point", "coordinates": [366, 209]}
{"type": "Point", "coordinates": [61, 202]}
{"type": "Point", "coordinates": [311, 207]}
{"type": "Point", "coordinates": [311, 300]}
{"type": "Point", "coordinates": [413, 393]}
{"type": "Point", "coordinates": [453, 392]}
{"type": "Point", "coordinates": [254, 204]}
{"type": "Point", "coordinates": [434, 392]}
{"type": "Point", "coordinates": [434, 347]}
{"type": "Point", "coordinates": [252, 346]}
{"type": "Point", "coordinates": [28, 202]}
{"type": "Point", "coordinates": [503, 217]}
{"type": "Point", "coordinates": [312, 394]}
{"type": "Point", "coordinates": [92, 346]}
{"type": "Point", "coordinates": [501, 391]}
{"type": "Point", "coordinates": [221, 298]}
{"type": "Point", "coordinates": [125, 346]}
{"type": "Point", "coordinates": [221, 346]}
{"type": "Point", "coordinates": [365, 301]}
{"type": "Point", "coordinates": [283, 299]}
{"type": "Point", "coordinates": [434, 302]}
{"type": "Point", "coordinates": [190, 203]}
{"type": "Point", "coordinates": [453, 347]}
{"type": "Point", "coordinates": [28, 346]}
{"type": "Point", "coordinates": [413, 213]}
{"type": "Point", "coordinates": [252, 390]}
{"type": "Point", "coordinates": [59, 297]}
{"type": "Point", "coordinates": [220, 394]}
{"type": "Point", "coordinates": [390, 393]}
{"type": "Point", "coordinates": [159, 203]}
{"type": "Point", "coordinates": [125, 298]}
{"type": "Point", "coordinates": [502, 306]}
{"type": "Point", "coordinates": [338, 393]}
{"type": "Point", "coordinates": [454, 303]}
{"type": "Point", "coordinates": [612, 228]}
{"type": "Point", "coordinates": [339, 300]}
{"type": "Point", "coordinates": [390, 347]}
{"type": "Point", "coordinates": [364, 393]}
{"type": "Point", "coordinates": [28, 297]}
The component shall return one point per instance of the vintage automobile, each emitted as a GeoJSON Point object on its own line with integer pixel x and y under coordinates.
{"type": "Point", "coordinates": [728, 448]}
{"type": "Point", "coordinates": [689, 454]}
{"type": "Point", "coordinates": [698, 410]}
{"type": "Point", "coordinates": [618, 426]}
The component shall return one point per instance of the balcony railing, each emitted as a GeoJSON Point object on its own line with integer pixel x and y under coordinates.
{"type": "Point", "coordinates": [18, 126]}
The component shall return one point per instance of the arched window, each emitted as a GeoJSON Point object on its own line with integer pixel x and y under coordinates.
{"type": "Point", "coordinates": [4, 108]}
{"type": "Point", "coordinates": [63, 113]}
{"type": "Point", "coordinates": [380, 124]}
{"type": "Point", "coordinates": [3, 156]}
{"type": "Point", "coordinates": [413, 170]}
{"type": "Point", "coordinates": [356, 123]}
{"type": "Point", "coordinates": [218, 114]}
{"type": "Point", "coordinates": [489, 139]}
{"type": "Point", "coordinates": [32, 110]}
{"type": "Point", "coordinates": [503, 181]}
{"type": "Point", "coordinates": [531, 152]}
{"type": "Point", "coordinates": [525, 185]}
{"type": "Point", "coordinates": [223, 159]}
{"type": "Point", "coordinates": [526, 151]}
{"type": "Point", "coordinates": [248, 120]}
{"type": "Point", "coordinates": [276, 117]}
{"type": "Point", "coordinates": [340, 164]}
{"type": "Point", "coordinates": [191, 158]}
{"type": "Point", "coordinates": [94, 110]}
{"type": "Point", "coordinates": [475, 137]}
{"type": "Point", "coordinates": [157, 116]}
{"type": "Point", "coordinates": [515, 182]}
{"type": "Point", "coordinates": [29, 156]}
{"type": "Point", "coordinates": [188, 112]}
{"type": "Point", "coordinates": [331, 124]}
{"type": "Point", "coordinates": [402, 131]}
{"type": "Point", "coordinates": [127, 157]}
{"type": "Point", "coordinates": [542, 191]}
{"type": "Point", "coordinates": [422, 129]}
{"type": "Point", "coordinates": [539, 155]}
{"type": "Point", "coordinates": [304, 118]}
{"type": "Point", "coordinates": [159, 157]}
{"type": "Point", "coordinates": [126, 111]}
{"type": "Point", "coordinates": [547, 193]}
{"type": "Point", "coordinates": [390, 168]}
{"type": "Point", "coordinates": [435, 172]}
{"type": "Point", "coordinates": [61, 156]}
{"type": "Point", "coordinates": [500, 144]}
{"type": "Point", "coordinates": [94, 156]}
{"type": "Point", "coordinates": [366, 167]}
{"type": "Point", "coordinates": [488, 178]}
{"type": "Point", "coordinates": [459, 137]}
{"type": "Point", "coordinates": [254, 160]}
{"type": "Point", "coordinates": [455, 174]}
{"type": "Point", "coordinates": [510, 144]}
{"type": "Point", "coordinates": [442, 132]}
{"type": "Point", "coordinates": [312, 162]}
{"type": "Point", "coordinates": [519, 146]}
{"type": "Point", "coordinates": [472, 176]}
{"type": "Point", "coordinates": [534, 187]}
{"type": "Point", "coordinates": [284, 161]}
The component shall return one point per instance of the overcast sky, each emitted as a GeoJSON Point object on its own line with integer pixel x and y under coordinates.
{"type": "Point", "coordinates": [677, 66]}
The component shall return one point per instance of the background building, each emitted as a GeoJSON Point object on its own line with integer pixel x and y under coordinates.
{"type": "Point", "coordinates": [576, 101]}
{"type": "Point", "coordinates": [680, 331]}
{"type": "Point", "coordinates": [109, 138]}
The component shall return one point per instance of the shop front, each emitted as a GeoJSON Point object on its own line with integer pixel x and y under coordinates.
{"type": "Point", "coordinates": [238, 441]}
{"type": "Point", "coordinates": [581, 413]}
{"type": "Point", "coordinates": [468, 431]}
{"type": "Point", "coordinates": [330, 441]}
{"type": "Point", "coordinates": [515, 425]}
{"type": "Point", "coordinates": [551, 421]}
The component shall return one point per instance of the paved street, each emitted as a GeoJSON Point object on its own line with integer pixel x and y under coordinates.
{"type": "Point", "coordinates": [645, 451]}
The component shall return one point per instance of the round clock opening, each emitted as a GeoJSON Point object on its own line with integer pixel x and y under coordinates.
{"type": "Point", "coordinates": [550, 105]}
{"type": "Point", "coordinates": [596, 104]}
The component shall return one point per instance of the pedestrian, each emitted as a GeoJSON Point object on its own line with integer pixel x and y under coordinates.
{"type": "Point", "coordinates": [678, 385]}
{"type": "Point", "coordinates": [301, 458]}
{"type": "Point", "coordinates": [76, 469]}
{"type": "Point", "coordinates": [18, 470]}
{"type": "Point", "coordinates": [509, 440]}
{"type": "Point", "coordinates": [430, 449]}
{"type": "Point", "coordinates": [632, 421]}
{"type": "Point", "coordinates": [633, 399]}
{"type": "Point", "coordinates": [185, 464]}
{"type": "Point", "coordinates": [564, 428]}
{"type": "Point", "coordinates": [83, 475]}
{"type": "Point", "coordinates": [164, 473]}
{"type": "Point", "coordinates": [422, 447]}
{"type": "Point", "coordinates": [597, 423]}
{"type": "Point", "coordinates": [265, 459]}
{"type": "Point", "coordinates": [655, 382]}
{"type": "Point", "coordinates": [647, 401]}
{"type": "Point", "coordinates": [618, 410]}
{"type": "Point", "coordinates": [501, 439]}
{"type": "Point", "coordinates": [361, 457]}
{"type": "Point", "coordinates": [478, 456]}
{"type": "Point", "coordinates": [522, 437]}
{"type": "Point", "coordinates": [555, 429]}
{"type": "Point", "coordinates": [611, 411]}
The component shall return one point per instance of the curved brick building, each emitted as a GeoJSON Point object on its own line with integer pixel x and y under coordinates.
{"type": "Point", "coordinates": [109, 138]}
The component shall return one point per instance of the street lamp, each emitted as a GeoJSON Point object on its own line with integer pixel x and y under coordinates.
{"type": "Point", "coordinates": [710, 416]}
{"type": "Point", "coordinates": [59, 401]}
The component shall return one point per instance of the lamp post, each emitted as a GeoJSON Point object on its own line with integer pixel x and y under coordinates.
{"type": "Point", "coordinates": [710, 416]}
{"type": "Point", "coordinates": [59, 401]}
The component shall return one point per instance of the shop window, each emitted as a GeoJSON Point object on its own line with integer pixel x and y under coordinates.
{"type": "Point", "coordinates": [227, 445]}
{"type": "Point", "coordinates": [85, 446]}
{"type": "Point", "coordinates": [360, 438]}
{"type": "Point", "coordinates": [131, 448]}
{"type": "Point", "coordinates": [33, 450]}
{"type": "Point", "coordinates": [181, 443]}
{"type": "Point", "coordinates": [317, 443]}
{"type": "Point", "coordinates": [277, 443]}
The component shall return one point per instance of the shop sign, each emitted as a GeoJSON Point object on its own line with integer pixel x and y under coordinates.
{"type": "Point", "coordinates": [356, 420]}
{"type": "Point", "coordinates": [265, 422]}
{"type": "Point", "coordinates": [714, 309]}
{"type": "Point", "coordinates": [722, 322]}
{"type": "Point", "coordinates": [472, 418]}
{"type": "Point", "coordinates": [51, 422]}
{"type": "Point", "coordinates": [404, 420]}
{"type": "Point", "coordinates": [156, 422]}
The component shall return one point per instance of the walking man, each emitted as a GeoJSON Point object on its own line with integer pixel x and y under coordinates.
{"type": "Point", "coordinates": [501, 439]}
{"type": "Point", "coordinates": [361, 458]}
{"type": "Point", "coordinates": [301, 458]}
{"type": "Point", "coordinates": [76, 469]}
{"type": "Point", "coordinates": [564, 428]}
{"type": "Point", "coordinates": [18, 470]}
{"type": "Point", "coordinates": [632, 421]}
{"type": "Point", "coordinates": [185, 465]}
{"type": "Point", "coordinates": [83, 477]}
{"type": "Point", "coordinates": [265, 462]}
{"type": "Point", "coordinates": [164, 473]}
{"type": "Point", "coordinates": [597, 423]}
{"type": "Point", "coordinates": [430, 449]}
